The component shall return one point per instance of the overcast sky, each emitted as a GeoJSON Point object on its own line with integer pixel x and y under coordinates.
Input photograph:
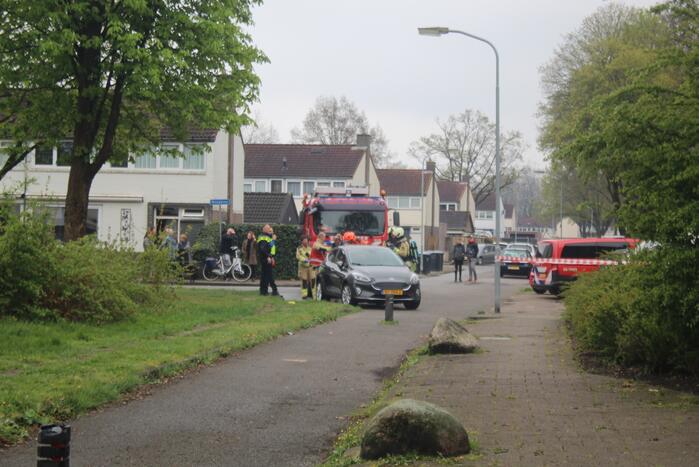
{"type": "Point", "coordinates": [370, 52]}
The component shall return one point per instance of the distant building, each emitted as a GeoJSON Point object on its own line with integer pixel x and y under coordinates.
{"type": "Point", "coordinates": [298, 169]}
{"type": "Point", "coordinates": [456, 206]}
{"type": "Point", "coordinates": [405, 196]}
{"type": "Point", "coordinates": [486, 212]}
{"type": "Point", "coordinates": [152, 189]}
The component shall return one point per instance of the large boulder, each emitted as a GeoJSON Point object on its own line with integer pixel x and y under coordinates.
{"type": "Point", "coordinates": [448, 336]}
{"type": "Point", "coordinates": [410, 426]}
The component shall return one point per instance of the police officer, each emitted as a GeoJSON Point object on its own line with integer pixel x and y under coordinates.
{"type": "Point", "coordinates": [266, 251]}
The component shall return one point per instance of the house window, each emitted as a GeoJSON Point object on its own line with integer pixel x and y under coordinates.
{"type": "Point", "coordinates": [247, 187]}
{"type": "Point", "coordinates": [65, 151]}
{"type": "Point", "coordinates": [43, 155]}
{"type": "Point", "coordinates": [447, 206]}
{"type": "Point", "coordinates": [182, 220]}
{"type": "Point", "coordinates": [326, 184]}
{"type": "Point", "coordinates": [293, 187]}
{"type": "Point", "coordinates": [403, 202]}
{"type": "Point", "coordinates": [276, 186]}
{"type": "Point", "coordinates": [415, 203]}
{"type": "Point", "coordinates": [146, 160]}
{"type": "Point", "coordinates": [192, 160]}
{"type": "Point", "coordinates": [121, 164]}
{"type": "Point", "coordinates": [338, 184]}
{"type": "Point", "coordinates": [392, 202]}
{"type": "Point", "coordinates": [167, 160]}
{"type": "Point", "coordinates": [57, 215]}
{"type": "Point", "coordinates": [260, 186]}
{"type": "Point", "coordinates": [309, 187]}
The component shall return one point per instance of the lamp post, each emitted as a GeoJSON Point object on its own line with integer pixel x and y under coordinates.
{"type": "Point", "coordinates": [440, 31]}
{"type": "Point", "coordinates": [422, 213]}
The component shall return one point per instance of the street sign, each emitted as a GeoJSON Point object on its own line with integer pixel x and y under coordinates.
{"type": "Point", "coordinates": [219, 202]}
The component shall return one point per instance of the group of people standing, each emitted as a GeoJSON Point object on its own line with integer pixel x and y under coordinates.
{"type": "Point", "coordinates": [461, 254]}
{"type": "Point", "coordinates": [178, 250]}
{"type": "Point", "coordinates": [255, 250]}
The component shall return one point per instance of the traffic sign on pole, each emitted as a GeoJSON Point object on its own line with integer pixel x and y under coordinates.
{"type": "Point", "coordinates": [219, 202]}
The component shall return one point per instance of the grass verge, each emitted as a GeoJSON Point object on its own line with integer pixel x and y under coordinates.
{"type": "Point", "coordinates": [55, 371]}
{"type": "Point", "coordinates": [346, 449]}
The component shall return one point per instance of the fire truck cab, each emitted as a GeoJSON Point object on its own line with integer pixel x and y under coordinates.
{"type": "Point", "coordinates": [351, 209]}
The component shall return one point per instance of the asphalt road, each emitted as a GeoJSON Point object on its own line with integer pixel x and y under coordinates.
{"type": "Point", "coordinates": [281, 403]}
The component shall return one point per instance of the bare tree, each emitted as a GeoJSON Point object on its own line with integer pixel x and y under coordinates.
{"type": "Point", "coordinates": [339, 121]}
{"type": "Point", "coordinates": [524, 193]}
{"type": "Point", "coordinates": [259, 132]}
{"type": "Point", "coordinates": [464, 150]}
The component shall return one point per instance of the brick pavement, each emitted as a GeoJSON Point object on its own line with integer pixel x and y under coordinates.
{"type": "Point", "coordinates": [528, 403]}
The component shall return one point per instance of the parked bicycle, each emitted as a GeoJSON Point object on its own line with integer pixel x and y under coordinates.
{"type": "Point", "coordinates": [216, 268]}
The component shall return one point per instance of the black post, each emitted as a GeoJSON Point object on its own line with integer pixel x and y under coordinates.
{"type": "Point", "coordinates": [389, 308]}
{"type": "Point", "coordinates": [54, 446]}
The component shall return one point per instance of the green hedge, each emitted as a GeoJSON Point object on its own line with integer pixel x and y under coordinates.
{"type": "Point", "coordinates": [207, 244]}
{"type": "Point", "coordinates": [84, 280]}
{"type": "Point", "coordinates": [643, 314]}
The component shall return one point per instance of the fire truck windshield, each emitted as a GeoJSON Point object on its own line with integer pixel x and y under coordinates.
{"type": "Point", "coordinates": [370, 223]}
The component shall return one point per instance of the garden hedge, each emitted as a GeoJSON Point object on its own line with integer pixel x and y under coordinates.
{"type": "Point", "coordinates": [207, 244]}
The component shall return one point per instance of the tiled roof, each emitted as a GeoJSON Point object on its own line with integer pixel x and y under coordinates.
{"type": "Point", "coordinates": [451, 192]}
{"type": "Point", "coordinates": [456, 220]}
{"type": "Point", "coordinates": [488, 204]}
{"type": "Point", "coordinates": [302, 160]}
{"type": "Point", "coordinates": [404, 182]}
{"type": "Point", "coordinates": [205, 135]}
{"type": "Point", "coordinates": [270, 208]}
{"type": "Point", "coordinates": [509, 210]}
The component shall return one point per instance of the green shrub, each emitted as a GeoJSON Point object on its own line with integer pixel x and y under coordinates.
{"type": "Point", "coordinates": [84, 280]}
{"type": "Point", "coordinates": [26, 263]}
{"type": "Point", "coordinates": [642, 314]}
{"type": "Point", "coordinates": [287, 241]}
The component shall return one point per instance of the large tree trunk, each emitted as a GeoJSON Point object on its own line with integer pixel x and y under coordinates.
{"type": "Point", "coordinates": [77, 199]}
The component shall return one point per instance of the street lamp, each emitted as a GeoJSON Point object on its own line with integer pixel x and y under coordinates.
{"type": "Point", "coordinates": [422, 213]}
{"type": "Point", "coordinates": [440, 31]}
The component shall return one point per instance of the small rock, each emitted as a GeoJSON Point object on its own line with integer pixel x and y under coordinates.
{"type": "Point", "coordinates": [410, 426]}
{"type": "Point", "coordinates": [448, 336]}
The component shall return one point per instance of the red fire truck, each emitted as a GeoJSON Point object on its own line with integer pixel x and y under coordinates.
{"type": "Point", "coordinates": [339, 210]}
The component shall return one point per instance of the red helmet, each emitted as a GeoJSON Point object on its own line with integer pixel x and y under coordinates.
{"type": "Point", "coordinates": [349, 237]}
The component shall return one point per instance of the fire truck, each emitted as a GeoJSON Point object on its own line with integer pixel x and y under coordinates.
{"type": "Point", "coordinates": [339, 210]}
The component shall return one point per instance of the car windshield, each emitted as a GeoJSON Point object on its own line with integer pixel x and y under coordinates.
{"type": "Point", "coordinates": [373, 256]}
{"type": "Point", "coordinates": [517, 253]}
{"type": "Point", "coordinates": [359, 222]}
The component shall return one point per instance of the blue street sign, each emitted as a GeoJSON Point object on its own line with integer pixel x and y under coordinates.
{"type": "Point", "coordinates": [219, 202]}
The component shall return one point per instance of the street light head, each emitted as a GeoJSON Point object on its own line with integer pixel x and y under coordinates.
{"type": "Point", "coordinates": [433, 31]}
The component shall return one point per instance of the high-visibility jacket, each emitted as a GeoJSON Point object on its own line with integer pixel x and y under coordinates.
{"type": "Point", "coordinates": [264, 248]}
{"type": "Point", "coordinates": [303, 255]}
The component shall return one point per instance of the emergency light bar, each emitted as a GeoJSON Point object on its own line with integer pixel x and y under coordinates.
{"type": "Point", "coordinates": [341, 191]}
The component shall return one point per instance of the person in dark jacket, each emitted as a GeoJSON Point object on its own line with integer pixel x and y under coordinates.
{"type": "Point", "coordinates": [228, 242]}
{"type": "Point", "coordinates": [458, 255]}
{"type": "Point", "coordinates": [472, 255]}
{"type": "Point", "coordinates": [266, 259]}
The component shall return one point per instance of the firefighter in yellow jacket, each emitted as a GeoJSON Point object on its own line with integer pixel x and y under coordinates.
{"type": "Point", "coordinates": [400, 245]}
{"type": "Point", "coordinates": [306, 271]}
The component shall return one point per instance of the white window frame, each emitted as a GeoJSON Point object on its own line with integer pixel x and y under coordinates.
{"type": "Point", "coordinates": [300, 182]}
{"type": "Point", "coordinates": [264, 186]}
{"type": "Point", "coordinates": [281, 182]}
{"type": "Point", "coordinates": [324, 183]}
{"type": "Point", "coordinates": [339, 184]}
{"type": "Point", "coordinates": [415, 200]}
{"type": "Point", "coordinates": [247, 187]}
{"type": "Point", "coordinates": [303, 188]}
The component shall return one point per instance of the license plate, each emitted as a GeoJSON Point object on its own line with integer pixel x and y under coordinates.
{"type": "Point", "coordinates": [393, 292]}
{"type": "Point", "coordinates": [513, 268]}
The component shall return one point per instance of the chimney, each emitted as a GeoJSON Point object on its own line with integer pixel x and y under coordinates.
{"type": "Point", "coordinates": [430, 166]}
{"type": "Point", "coordinates": [363, 140]}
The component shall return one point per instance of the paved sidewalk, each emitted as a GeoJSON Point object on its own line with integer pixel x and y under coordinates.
{"type": "Point", "coordinates": [527, 402]}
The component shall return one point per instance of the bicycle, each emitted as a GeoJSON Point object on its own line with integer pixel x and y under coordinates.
{"type": "Point", "coordinates": [215, 268]}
